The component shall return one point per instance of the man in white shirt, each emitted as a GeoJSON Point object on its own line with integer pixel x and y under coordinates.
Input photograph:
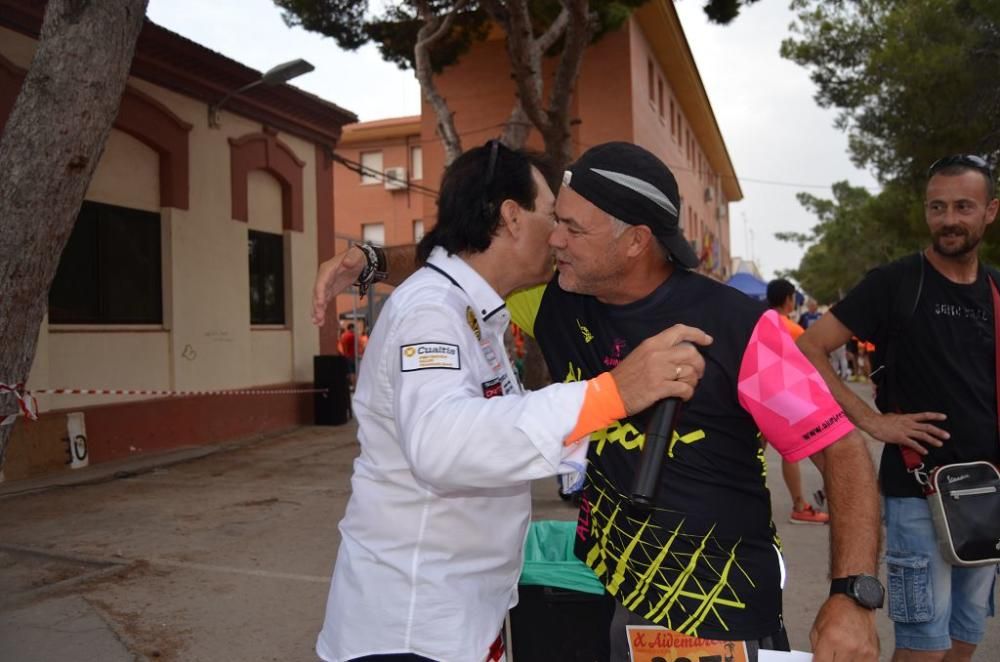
{"type": "Point", "coordinates": [432, 539]}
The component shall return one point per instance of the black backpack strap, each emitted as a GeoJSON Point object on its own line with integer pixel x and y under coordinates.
{"type": "Point", "coordinates": [911, 287]}
{"type": "Point", "coordinates": [993, 273]}
{"type": "Point", "coordinates": [904, 305]}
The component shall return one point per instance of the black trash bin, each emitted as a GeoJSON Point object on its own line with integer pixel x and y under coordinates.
{"type": "Point", "coordinates": [332, 407]}
{"type": "Point", "coordinates": [563, 613]}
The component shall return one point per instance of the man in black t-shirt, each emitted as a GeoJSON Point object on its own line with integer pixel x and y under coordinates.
{"type": "Point", "coordinates": [704, 560]}
{"type": "Point", "coordinates": [939, 390]}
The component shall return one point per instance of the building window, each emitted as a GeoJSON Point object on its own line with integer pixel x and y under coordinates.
{"type": "Point", "coordinates": [418, 230]}
{"type": "Point", "coordinates": [650, 79]}
{"type": "Point", "coordinates": [416, 162]}
{"type": "Point", "coordinates": [109, 272]}
{"type": "Point", "coordinates": [373, 233]}
{"type": "Point", "coordinates": [267, 277]}
{"type": "Point", "coordinates": [659, 96]}
{"type": "Point", "coordinates": [673, 120]}
{"type": "Point", "coordinates": [371, 165]}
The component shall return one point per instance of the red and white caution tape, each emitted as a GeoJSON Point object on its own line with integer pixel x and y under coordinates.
{"type": "Point", "coordinates": [25, 402]}
{"type": "Point", "coordinates": [29, 407]}
{"type": "Point", "coordinates": [117, 391]}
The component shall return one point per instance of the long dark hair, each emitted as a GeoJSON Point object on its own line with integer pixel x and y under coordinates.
{"type": "Point", "coordinates": [472, 189]}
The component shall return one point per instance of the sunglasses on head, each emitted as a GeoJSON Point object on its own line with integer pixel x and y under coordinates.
{"type": "Point", "coordinates": [967, 160]}
{"type": "Point", "coordinates": [491, 166]}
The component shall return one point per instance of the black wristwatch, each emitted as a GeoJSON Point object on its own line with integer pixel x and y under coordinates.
{"type": "Point", "coordinates": [866, 590]}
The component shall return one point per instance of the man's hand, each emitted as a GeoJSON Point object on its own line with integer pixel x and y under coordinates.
{"type": "Point", "coordinates": [666, 365]}
{"type": "Point", "coordinates": [334, 276]}
{"type": "Point", "coordinates": [844, 630]}
{"type": "Point", "coordinates": [910, 430]}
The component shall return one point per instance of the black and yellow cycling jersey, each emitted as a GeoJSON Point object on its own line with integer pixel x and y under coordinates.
{"type": "Point", "coordinates": [705, 560]}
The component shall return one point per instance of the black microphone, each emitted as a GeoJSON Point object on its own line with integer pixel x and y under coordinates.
{"type": "Point", "coordinates": [658, 435]}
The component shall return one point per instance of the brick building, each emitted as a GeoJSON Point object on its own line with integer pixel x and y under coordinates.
{"type": "Point", "coordinates": [639, 83]}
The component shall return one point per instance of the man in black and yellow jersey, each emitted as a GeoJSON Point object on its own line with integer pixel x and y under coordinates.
{"type": "Point", "coordinates": [705, 560]}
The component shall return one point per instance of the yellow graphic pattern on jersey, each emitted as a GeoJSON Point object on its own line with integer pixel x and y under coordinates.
{"type": "Point", "coordinates": [660, 565]}
{"type": "Point", "coordinates": [624, 433]}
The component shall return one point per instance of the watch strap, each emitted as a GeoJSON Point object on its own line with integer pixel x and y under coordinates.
{"type": "Point", "coordinates": [841, 585]}
{"type": "Point", "coordinates": [866, 590]}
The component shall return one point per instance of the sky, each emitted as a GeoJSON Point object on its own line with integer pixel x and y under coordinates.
{"type": "Point", "coordinates": [778, 138]}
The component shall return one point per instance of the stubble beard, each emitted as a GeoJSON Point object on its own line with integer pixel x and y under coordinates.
{"type": "Point", "coordinates": [970, 242]}
{"type": "Point", "coordinates": [595, 285]}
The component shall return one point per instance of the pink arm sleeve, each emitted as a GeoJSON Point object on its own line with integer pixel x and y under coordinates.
{"type": "Point", "coordinates": [785, 395]}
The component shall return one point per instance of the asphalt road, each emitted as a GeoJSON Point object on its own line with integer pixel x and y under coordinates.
{"type": "Point", "coordinates": [219, 554]}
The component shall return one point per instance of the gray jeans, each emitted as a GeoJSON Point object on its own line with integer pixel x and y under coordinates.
{"type": "Point", "coordinates": [623, 617]}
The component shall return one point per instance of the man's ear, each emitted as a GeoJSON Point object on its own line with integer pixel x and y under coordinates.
{"type": "Point", "coordinates": [640, 240]}
{"type": "Point", "coordinates": [510, 217]}
{"type": "Point", "coordinates": [991, 210]}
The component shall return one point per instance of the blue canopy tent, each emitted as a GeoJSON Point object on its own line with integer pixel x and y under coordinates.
{"type": "Point", "coordinates": [749, 284]}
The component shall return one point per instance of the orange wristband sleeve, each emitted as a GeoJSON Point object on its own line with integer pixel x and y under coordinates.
{"type": "Point", "coordinates": [602, 406]}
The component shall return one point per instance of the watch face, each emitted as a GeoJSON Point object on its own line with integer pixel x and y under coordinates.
{"type": "Point", "coordinates": [868, 591]}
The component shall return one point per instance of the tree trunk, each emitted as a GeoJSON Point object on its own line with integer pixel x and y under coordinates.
{"type": "Point", "coordinates": [579, 29]}
{"type": "Point", "coordinates": [526, 53]}
{"type": "Point", "coordinates": [433, 30]}
{"type": "Point", "coordinates": [52, 142]}
{"type": "Point", "coordinates": [517, 128]}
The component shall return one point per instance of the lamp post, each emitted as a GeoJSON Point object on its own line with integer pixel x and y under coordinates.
{"type": "Point", "coordinates": [281, 73]}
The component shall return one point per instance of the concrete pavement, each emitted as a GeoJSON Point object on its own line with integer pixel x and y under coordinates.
{"type": "Point", "coordinates": [224, 553]}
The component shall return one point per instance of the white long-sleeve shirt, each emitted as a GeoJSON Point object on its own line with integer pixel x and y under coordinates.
{"type": "Point", "coordinates": [432, 539]}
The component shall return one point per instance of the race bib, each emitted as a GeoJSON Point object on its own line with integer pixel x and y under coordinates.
{"type": "Point", "coordinates": [650, 643]}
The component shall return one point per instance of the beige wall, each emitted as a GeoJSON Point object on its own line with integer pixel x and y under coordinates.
{"type": "Point", "coordinates": [128, 174]}
{"type": "Point", "coordinates": [272, 356]}
{"type": "Point", "coordinates": [206, 340]}
{"type": "Point", "coordinates": [119, 360]}
{"type": "Point", "coordinates": [16, 47]}
{"type": "Point", "coordinates": [212, 344]}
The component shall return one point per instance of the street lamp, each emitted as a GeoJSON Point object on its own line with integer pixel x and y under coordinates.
{"type": "Point", "coordinates": [281, 73]}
